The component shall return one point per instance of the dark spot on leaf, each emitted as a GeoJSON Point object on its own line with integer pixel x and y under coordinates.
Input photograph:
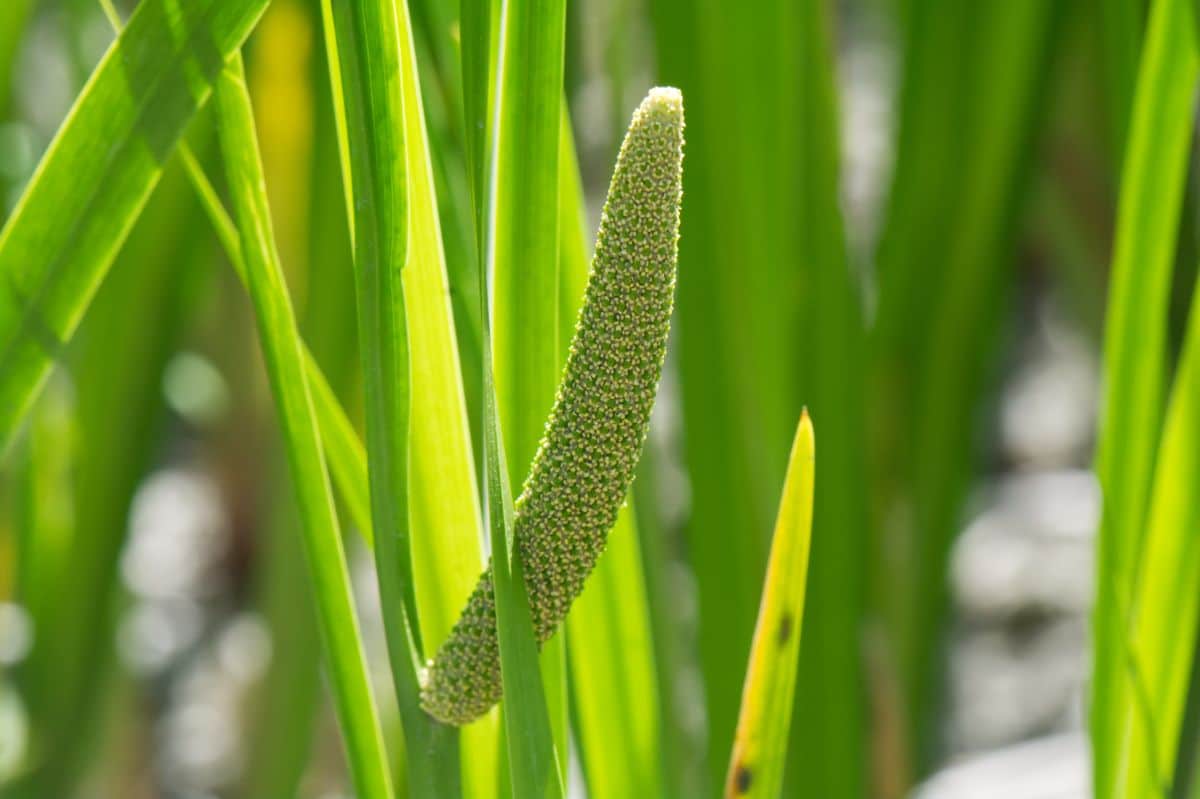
{"type": "Point", "coordinates": [742, 779]}
{"type": "Point", "coordinates": [785, 629]}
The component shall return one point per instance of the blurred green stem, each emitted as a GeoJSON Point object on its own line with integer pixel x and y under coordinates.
{"type": "Point", "coordinates": [280, 340]}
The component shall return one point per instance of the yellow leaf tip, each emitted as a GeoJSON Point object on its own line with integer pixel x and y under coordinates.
{"type": "Point", "coordinates": [804, 431]}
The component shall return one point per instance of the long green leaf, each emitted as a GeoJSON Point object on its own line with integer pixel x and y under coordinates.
{"type": "Point", "coordinates": [523, 228]}
{"type": "Point", "coordinates": [284, 356]}
{"type": "Point", "coordinates": [522, 265]}
{"type": "Point", "coordinates": [573, 259]}
{"type": "Point", "coordinates": [1135, 349]}
{"type": "Point", "coordinates": [966, 322]}
{"type": "Point", "coordinates": [93, 181]}
{"type": "Point", "coordinates": [528, 742]}
{"type": "Point", "coordinates": [479, 21]}
{"type": "Point", "coordinates": [733, 321]}
{"type": "Point", "coordinates": [1165, 607]}
{"type": "Point", "coordinates": [522, 256]}
{"type": "Point", "coordinates": [445, 508]}
{"type": "Point", "coordinates": [437, 32]}
{"type": "Point", "coordinates": [829, 750]}
{"type": "Point", "coordinates": [975, 79]}
{"type": "Point", "coordinates": [759, 749]}
{"type": "Point", "coordinates": [329, 322]}
{"type": "Point", "coordinates": [288, 78]}
{"type": "Point", "coordinates": [1121, 25]}
{"type": "Point", "coordinates": [528, 739]}
{"type": "Point", "coordinates": [797, 305]}
{"type": "Point", "coordinates": [478, 24]}
{"type": "Point", "coordinates": [366, 37]}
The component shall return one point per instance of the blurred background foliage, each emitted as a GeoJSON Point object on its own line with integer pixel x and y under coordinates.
{"type": "Point", "coordinates": [899, 213]}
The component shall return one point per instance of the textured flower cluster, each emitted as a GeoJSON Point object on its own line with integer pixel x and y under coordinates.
{"type": "Point", "coordinates": [586, 460]}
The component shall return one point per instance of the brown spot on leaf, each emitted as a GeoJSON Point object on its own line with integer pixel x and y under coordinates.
{"type": "Point", "coordinates": [742, 779]}
{"type": "Point", "coordinates": [785, 629]}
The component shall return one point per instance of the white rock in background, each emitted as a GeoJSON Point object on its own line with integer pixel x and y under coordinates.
{"type": "Point", "coordinates": [1031, 546]}
{"type": "Point", "coordinates": [1056, 767]}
